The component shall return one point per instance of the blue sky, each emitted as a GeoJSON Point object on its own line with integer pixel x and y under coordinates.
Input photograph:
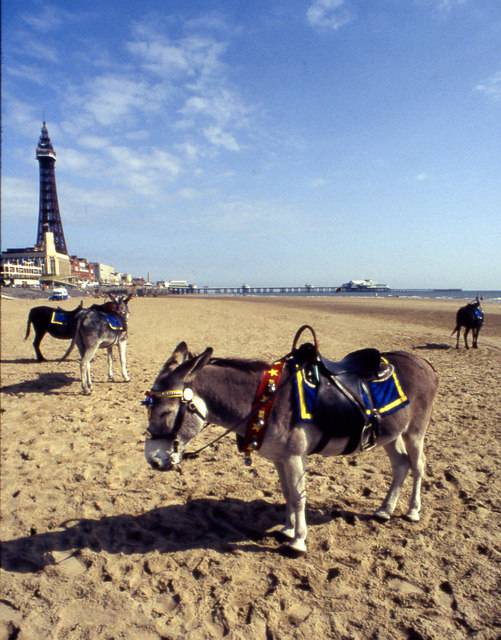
{"type": "Point", "coordinates": [269, 142]}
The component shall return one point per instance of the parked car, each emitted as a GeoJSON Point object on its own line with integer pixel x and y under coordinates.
{"type": "Point", "coordinates": [59, 293]}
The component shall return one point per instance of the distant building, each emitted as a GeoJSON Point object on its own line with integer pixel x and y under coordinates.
{"type": "Point", "coordinates": [20, 273]}
{"type": "Point", "coordinates": [105, 274]}
{"type": "Point", "coordinates": [54, 265]}
{"type": "Point", "coordinates": [82, 270]}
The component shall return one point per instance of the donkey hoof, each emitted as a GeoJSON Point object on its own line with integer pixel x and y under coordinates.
{"type": "Point", "coordinates": [382, 515]}
{"type": "Point", "coordinates": [413, 515]}
{"type": "Point", "coordinates": [295, 549]}
{"type": "Point", "coordinates": [110, 378]}
{"type": "Point", "coordinates": [126, 379]}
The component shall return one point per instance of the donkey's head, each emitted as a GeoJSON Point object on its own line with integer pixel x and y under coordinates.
{"type": "Point", "coordinates": [175, 412]}
{"type": "Point", "coordinates": [120, 305]}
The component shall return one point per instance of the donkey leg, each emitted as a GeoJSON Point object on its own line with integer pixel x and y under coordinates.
{"type": "Point", "coordinates": [294, 474]}
{"type": "Point", "coordinates": [414, 445]}
{"type": "Point", "coordinates": [466, 332]}
{"type": "Point", "coordinates": [36, 345]}
{"type": "Point", "coordinates": [85, 369]}
{"type": "Point", "coordinates": [400, 467]}
{"type": "Point", "coordinates": [122, 351]}
{"type": "Point", "coordinates": [475, 333]}
{"type": "Point", "coordinates": [110, 363]}
{"type": "Point", "coordinates": [288, 529]}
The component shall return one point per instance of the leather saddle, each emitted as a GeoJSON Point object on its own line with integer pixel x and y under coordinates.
{"type": "Point", "coordinates": [341, 409]}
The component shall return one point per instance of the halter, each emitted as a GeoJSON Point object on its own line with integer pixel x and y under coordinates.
{"type": "Point", "coordinates": [188, 402]}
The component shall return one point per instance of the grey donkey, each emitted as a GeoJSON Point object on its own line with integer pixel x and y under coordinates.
{"type": "Point", "coordinates": [101, 327]}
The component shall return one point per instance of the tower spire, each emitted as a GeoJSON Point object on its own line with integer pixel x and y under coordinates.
{"type": "Point", "coordinates": [49, 218]}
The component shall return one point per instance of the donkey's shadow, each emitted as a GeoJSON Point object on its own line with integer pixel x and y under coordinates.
{"type": "Point", "coordinates": [198, 524]}
{"type": "Point", "coordinates": [46, 382]}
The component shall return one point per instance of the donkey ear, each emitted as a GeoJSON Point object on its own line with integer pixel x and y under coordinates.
{"type": "Point", "coordinates": [177, 357]}
{"type": "Point", "coordinates": [180, 352]}
{"type": "Point", "coordinates": [200, 361]}
{"type": "Point", "coordinates": [126, 300]}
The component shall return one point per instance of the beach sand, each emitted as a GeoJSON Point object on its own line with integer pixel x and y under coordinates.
{"type": "Point", "coordinates": [96, 545]}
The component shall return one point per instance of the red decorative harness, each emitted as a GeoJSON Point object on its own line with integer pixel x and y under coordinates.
{"type": "Point", "coordinates": [261, 409]}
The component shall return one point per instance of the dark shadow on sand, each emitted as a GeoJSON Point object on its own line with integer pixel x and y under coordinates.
{"type": "Point", "coordinates": [45, 383]}
{"type": "Point", "coordinates": [198, 524]}
{"type": "Point", "coordinates": [433, 346]}
{"type": "Point", "coordinates": [19, 361]}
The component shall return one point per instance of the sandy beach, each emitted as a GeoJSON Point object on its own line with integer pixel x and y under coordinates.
{"type": "Point", "coordinates": [96, 545]}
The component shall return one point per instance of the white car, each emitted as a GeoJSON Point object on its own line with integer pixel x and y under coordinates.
{"type": "Point", "coordinates": [59, 293]}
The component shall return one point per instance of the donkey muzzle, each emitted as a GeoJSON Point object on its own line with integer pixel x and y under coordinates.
{"type": "Point", "coordinates": [159, 455]}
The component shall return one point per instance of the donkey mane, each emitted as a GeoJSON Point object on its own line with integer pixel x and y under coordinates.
{"type": "Point", "coordinates": [241, 364]}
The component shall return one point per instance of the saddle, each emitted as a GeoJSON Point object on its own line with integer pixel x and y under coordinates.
{"type": "Point", "coordinates": [342, 404]}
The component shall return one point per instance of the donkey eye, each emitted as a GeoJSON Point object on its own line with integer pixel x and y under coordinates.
{"type": "Point", "coordinates": [164, 414]}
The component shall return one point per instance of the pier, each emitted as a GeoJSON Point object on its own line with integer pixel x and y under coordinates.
{"type": "Point", "coordinates": [244, 290]}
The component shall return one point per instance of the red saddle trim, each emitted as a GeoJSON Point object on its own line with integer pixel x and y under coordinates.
{"type": "Point", "coordinates": [262, 406]}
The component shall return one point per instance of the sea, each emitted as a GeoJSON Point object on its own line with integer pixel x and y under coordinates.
{"type": "Point", "coordinates": [439, 294]}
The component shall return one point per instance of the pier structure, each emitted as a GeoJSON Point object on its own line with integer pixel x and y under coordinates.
{"type": "Point", "coordinates": [247, 290]}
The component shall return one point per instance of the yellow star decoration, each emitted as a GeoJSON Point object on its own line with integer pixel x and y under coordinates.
{"type": "Point", "coordinates": [274, 373]}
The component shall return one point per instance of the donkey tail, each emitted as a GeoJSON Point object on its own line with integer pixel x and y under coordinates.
{"type": "Point", "coordinates": [28, 326]}
{"type": "Point", "coordinates": [456, 330]}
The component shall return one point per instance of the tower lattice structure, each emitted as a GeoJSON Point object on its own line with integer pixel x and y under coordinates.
{"type": "Point", "coordinates": [49, 218]}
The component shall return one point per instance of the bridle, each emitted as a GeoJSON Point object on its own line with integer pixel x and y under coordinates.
{"type": "Point", "coordinates": [188, 402]}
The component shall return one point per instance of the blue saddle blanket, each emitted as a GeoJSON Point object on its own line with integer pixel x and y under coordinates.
{"type": "Point", "coordinates": [115, 322]}
{"type": "Point", "coordinates": [478, 313]}
{"type": "Point", "coordinates": [387, 396]}
{"type": "Point", "coordinates": [59, 317]}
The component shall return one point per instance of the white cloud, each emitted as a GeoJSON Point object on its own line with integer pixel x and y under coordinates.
{"type": "Point", "coordinates": [28, 72]}
{"type": "Point", "coordinates": [193, 56]}
{"type": "Point", "coordinates": [491, 87]}
{"type": "Point", "coordinates": [421, 177]}
{"type": "Point", "coordinates": [446, 5]}
{"type": "Point", "coordinates": [32, 47]}
{"type": "Point", "coordinates": [188, 193]}
{"type": "Point", "coordinates": [48, 19]}
{"type": "Point", "coordinates": [220, 104]}
{"type": "Point", "coordinates": [93, 142]}
{"type": "Point", "coordinates": [328, 14]}
{"type": "Point", "coordinates": [19, 198]}
{"type": "Point", "coordinates": [220, 138]}
{"type": "Point", "coordinates": [110, 98]}
{"type": "Point", "coordinates": [73, 160]}
{"type": "Point", "coordinates": [190, 150]}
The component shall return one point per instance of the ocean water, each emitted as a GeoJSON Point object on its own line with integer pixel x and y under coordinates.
{"type": "Point", "coordinates": [439, 294]}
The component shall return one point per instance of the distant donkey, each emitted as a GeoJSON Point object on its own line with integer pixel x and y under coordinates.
{"type": "Point", "coordinates": [471, 317]}
{"type": "Point", "coordinates": [100, 327]}
{"type": "Point", "coordinates": [58, 323]}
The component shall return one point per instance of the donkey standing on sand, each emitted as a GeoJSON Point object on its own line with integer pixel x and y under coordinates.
{"type": "Point", "coordinates": [56, 322]}
{"type": "Point", "coordinates": [471, 317]}
{"type": "Point", "coordinates": [101, 327]}
{"type": "Point", "coordinates": [193, 391]}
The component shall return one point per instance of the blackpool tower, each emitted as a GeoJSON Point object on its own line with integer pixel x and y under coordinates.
{"type": "Point", "coordinates": [49, 218]}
